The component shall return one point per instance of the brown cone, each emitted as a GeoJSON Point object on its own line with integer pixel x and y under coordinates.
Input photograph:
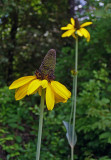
{"type": "Point", "coordinates": [47, 67]}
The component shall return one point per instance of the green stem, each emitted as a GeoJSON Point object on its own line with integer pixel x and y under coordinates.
{"type": "Point", "coordinates": [40, 125]}
{"type": "Point", "coordinates": [72, 107]}
{"type": "Point", "coordinates": [72, 153]}
{"type": "Point", "coordinates": [75, 95]}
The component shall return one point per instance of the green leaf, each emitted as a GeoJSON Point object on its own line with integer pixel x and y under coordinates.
{"type": "Point", "coordinates": [18, 139]}
{"type": "Point", "coordinates": [69, 129]}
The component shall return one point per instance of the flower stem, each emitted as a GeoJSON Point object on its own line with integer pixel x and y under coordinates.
{"type": "Point", "coordinates": [75, 95]}
{"type": "Point", "coordinates": [40, 125]}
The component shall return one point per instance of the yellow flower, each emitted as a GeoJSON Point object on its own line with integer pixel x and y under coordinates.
{"type": "Point", "coordinates": [55, 92]}
{"type": "Point", "coordinates": [75, 28]}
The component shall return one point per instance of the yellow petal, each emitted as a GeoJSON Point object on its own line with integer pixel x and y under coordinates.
{"type": "Point", "coordinates": [39, 90]}
{"type": "Point", "coordinates": [79, 33]}
{"type": "Point", "coordinates": [21, 81]}
{"type": "Point", "coordinates": [34, 92]}
{"type": "Point", "coordinates": [69, 26]}
{"type": "Point", "coordinates": [50, 100]}
{"type": "Point", "coordinates": [86, 34]}
{"type": "Point", "coordinates": [34, 85]}
{"type": "Point", "coordinates": [21, 92]}
{"type": "Point", "coordinates": [68, 33]}
{"type": "Point", "coordinates": [73, 21]}
{"type": "Point", "coordinates": [58, 98]}
{"type": "Point", "coordinates": [85, 24]}
{"type": "Point", "coordinates": [74, 35]}
{"type": "Point", "coordinates": [44, 83]}
{"type": "Point", "coordinates": [60, 89]}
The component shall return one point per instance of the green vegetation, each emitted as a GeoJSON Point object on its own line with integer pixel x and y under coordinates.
{"type": "Point", "coordinates": [28, 29]}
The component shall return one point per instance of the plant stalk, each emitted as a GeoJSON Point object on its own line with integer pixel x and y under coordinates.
{"type": "Point", "coordinates": [75, 95]}
{"type": "Point", "coordinates": [40, 125]}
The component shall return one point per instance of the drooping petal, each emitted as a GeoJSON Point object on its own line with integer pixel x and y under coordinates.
{"type": "Point", "coordinates": [85, 33]}
{"type": "Point", "coordinates": [69, 26]}
{"type": "Point", "coordinates": [39, 91]}
{"type": "Point", "coordinates": [21, 81]}
{"type": "Point", "coordinates": [74, 35]}
{"type": "Point", "coordinates": [21, 92]}
{"type": "Point", "coordinates": [68, 33]}
{"type": "Point", "coordinates": [73, 21]}
{"type": "Point", "coordinates": [85, 24]}
{"type": "Point", "coordinates": [58, 98]}
{"type": "Point", "coordinates": [44, 83]}
{"type": "Point", "coordinates": [50, 100]}
{"type": "Point", "coordinates": [60, 90]}
{"type": "Point", "coordinates": [34, 85]}
{"type": "Point", "coordinates": [34, 92]}
{"type": "Point", "coordinates": [79, 33]}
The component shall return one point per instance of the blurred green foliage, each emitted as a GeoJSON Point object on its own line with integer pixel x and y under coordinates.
{"type": "Point", "coordinates": [28, 30]}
